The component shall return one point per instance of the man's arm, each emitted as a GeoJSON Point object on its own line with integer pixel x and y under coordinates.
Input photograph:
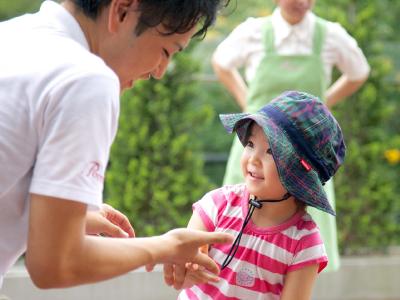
{"type": "Point", "coordinates": [60, 254]}
{"type": "Point", "coordinates": [233, 82]}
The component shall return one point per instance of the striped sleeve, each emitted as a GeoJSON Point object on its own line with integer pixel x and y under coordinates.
{"type": "Point", "coordinates": [210, 207]}
{"type": "Point", "coordinates": [310, 250]}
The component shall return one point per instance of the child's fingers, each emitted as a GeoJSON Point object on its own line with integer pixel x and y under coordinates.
{"type": "Point", "coordinates": [180, 273]}
{"type": "Point", "coordinates": [193, 267]}
{"type": "Point", "coordinates": [204, 261]}
{"type": "Point", "coordinates": [204, 249]}
{"type": "Point", "coordinates": [149, 267]}
{"type": "Point", "coordinates": [169, 274]}
{"type": "Point", "coordinates": [199, 277]}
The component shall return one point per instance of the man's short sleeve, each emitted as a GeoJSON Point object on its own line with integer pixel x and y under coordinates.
{"type": "Point", "coordinates": [75, 133]}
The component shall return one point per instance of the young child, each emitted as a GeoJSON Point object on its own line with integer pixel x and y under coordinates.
{"type": "Point", "coordinates": [292, 146]}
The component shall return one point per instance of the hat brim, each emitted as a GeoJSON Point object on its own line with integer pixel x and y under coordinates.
{"type": "Point", "coordinates": [302, 184]}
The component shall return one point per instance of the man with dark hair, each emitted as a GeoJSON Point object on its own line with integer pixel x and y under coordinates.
{"type": "Point", "coordinates": [61, 74]}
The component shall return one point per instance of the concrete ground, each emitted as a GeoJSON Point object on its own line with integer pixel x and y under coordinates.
{"type": "Point", "coordinates": [360, 278]}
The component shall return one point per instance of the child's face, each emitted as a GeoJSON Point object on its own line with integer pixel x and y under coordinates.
{"type": "Point", "coordinates": [293, 11]}
{"type": "Point", "coordinates": [258, 167]}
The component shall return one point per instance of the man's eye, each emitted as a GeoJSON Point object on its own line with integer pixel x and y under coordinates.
{"type": "Point", "coordinates": [269, 151]}
{"type": "Point", "coordinates": [250, 144]}
{"type": "Point", "coordinates": [166, 53]}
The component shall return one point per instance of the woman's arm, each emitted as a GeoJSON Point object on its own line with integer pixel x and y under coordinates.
{"type": "Point", "coordinates": [233, 82]}
{"type": "Point", "coordinates": [342, 88]}
{"type": "Point", "coordinates": [299, 284]}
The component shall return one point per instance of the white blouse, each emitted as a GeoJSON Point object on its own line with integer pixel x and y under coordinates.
{"type": "Point", "coordinates": [244, 46]}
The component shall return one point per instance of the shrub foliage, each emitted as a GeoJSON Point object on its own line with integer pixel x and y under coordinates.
{"type": "Point", "coordinates": [156, 168]}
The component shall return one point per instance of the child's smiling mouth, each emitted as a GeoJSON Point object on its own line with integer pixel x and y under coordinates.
{"type": "Point", "coordinates": [255, 176]}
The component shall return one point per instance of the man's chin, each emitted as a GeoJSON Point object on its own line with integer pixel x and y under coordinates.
{"type": "Point", "coordinates": [127, 85]}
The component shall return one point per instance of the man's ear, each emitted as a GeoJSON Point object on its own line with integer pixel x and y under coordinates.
{"type": "Point", "coordinates": [118, 11]}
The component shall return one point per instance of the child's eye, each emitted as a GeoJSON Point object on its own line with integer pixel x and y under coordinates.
{"type": "Point", "coordinates": [269, 151]}
{"type": "Point", "coordinates": [250, 144]}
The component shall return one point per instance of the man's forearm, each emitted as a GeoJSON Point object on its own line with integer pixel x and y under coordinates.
{"type": "Point", "coordinates": [104, 258]}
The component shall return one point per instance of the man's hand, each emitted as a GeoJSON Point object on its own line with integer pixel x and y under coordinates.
{"type": "Point", "coordinates": [108, 221]}
{"type": "Point", "coordinates": [182, 246]}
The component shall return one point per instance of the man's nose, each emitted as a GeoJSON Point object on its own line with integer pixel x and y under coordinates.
{"type": "Point", "coordinates": [160, 71]}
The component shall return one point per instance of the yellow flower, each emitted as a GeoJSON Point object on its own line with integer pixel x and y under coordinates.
{"type": "Point", "coordinates": [393, 156]}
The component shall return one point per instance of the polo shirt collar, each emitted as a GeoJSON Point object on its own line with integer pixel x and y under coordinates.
{"type": "Point", "coordinates": [64, 21]}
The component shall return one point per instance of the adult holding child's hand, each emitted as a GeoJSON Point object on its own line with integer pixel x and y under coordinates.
{"type": "Point", "coordinates": [190, 243]}
{"type": "Point", "coordinates": [184, 246]}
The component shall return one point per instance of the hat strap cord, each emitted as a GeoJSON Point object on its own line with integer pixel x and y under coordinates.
{"type": "Point", "coordinates": [253, 204]}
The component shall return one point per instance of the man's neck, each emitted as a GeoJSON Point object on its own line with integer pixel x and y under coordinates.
{"type": "Point", "coordinates": [89, 26]}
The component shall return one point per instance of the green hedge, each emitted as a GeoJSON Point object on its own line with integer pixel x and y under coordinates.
{"type": "Point", "coordinates": [367, 188]}
{"type": "Point", "coordinates": [156, 167]}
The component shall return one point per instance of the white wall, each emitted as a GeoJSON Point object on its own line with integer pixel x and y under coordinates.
{"type": "Point", "coordinates": [361, 278]}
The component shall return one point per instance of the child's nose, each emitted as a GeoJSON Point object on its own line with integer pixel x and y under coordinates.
{"type": "Point", "coordinates": [254, 158]}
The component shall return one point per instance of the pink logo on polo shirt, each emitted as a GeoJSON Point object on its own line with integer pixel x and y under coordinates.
{"type": "Point", "coordinates": [94, 171]}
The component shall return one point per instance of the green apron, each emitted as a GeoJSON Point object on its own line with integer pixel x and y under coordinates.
{"type": "Point", "coordinates": [274, 75]}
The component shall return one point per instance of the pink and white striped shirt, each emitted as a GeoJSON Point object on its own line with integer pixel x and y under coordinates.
{"type": "Point", "coordinates": [265, 255]}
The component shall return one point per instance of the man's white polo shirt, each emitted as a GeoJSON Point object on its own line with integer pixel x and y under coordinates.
{"type": "Point", "coordinates": [59, 107]}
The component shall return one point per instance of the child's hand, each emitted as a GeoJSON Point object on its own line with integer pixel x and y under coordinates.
{"type": "Point", "coordinates": [182, 277]}
{"type": "Point", "coordinates": [185, 276]}
{"type": "Point", "coordinates": [196, 274]}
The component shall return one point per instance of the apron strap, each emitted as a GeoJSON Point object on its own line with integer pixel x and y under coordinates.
{"type": "Point", "coordinates": [319, 35]}
{"type": "Point", "coordinates": [268, 37]}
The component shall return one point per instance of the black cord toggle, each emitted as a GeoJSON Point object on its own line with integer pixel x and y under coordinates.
{"type": "Point", "coordinates": [255, 203]}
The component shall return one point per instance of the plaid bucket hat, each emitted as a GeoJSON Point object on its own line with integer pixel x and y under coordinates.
{"type": "Point", "coordinates": [305, 139]}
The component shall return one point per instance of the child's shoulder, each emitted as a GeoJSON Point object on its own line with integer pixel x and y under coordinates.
{"type": "Point", "coordinates": [307, 222]}
{"type": "Point", "coordinates": [303, 226]}
{"type": "Point", "coordinates": [229, 193]}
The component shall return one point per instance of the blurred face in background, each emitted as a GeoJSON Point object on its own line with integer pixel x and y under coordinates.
{"type": "Point", "coordinates": [293, 11]}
